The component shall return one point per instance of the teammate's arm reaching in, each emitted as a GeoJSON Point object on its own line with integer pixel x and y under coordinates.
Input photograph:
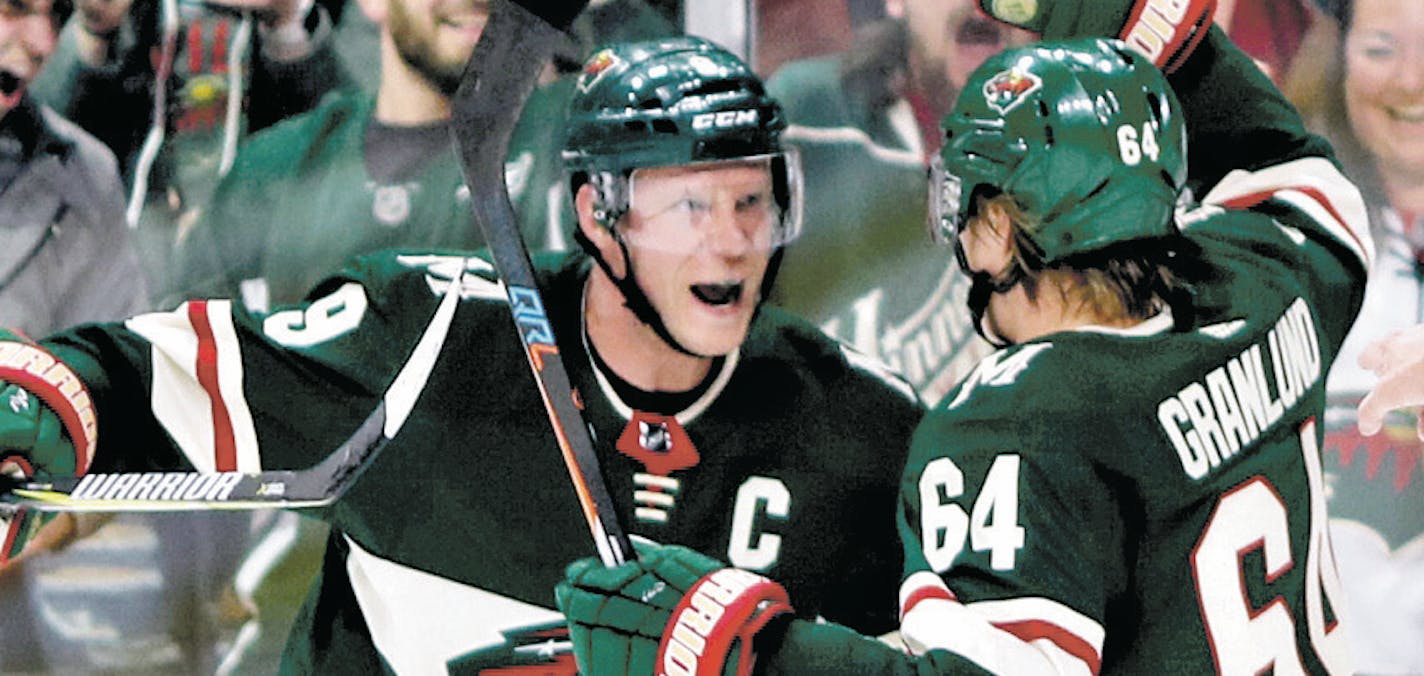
{"type": "Point", "coordinates": [1049, 612]}
{"type": "Point", "coordinates": [201, 388]}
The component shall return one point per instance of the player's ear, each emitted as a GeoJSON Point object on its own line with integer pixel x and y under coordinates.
{"type": "Point", "coordinates": [599, 236]}
{"type": "Point", "coordinates": [997, 219]}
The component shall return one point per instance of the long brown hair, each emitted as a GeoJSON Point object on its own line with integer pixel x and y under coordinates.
{"type": "Point", "coordinates": [1128, 280]}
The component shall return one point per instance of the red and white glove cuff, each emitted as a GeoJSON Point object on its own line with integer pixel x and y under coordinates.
{"type": "Point", "coordinates": [722, 608]}
{"type": "Point", "coordinates": [35, 369]}
{"type": "Point", "coordinates": [1167, 31]}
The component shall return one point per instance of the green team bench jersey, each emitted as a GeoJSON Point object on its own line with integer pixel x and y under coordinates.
{"type": "Point", "coordinates": [300, 201]}
{"type": "Point", "coordinates": [444, 554]}
{"type": "Point", "coordinates": [1150, 500]}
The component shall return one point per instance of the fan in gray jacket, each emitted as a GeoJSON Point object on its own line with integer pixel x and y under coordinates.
{"type": "Point", "coordinates": [65, 255]}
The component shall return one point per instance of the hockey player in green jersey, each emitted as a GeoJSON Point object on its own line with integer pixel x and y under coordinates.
{"type": "Point", "coordinates": [1132, 483]}
{"type": "Point", "coordinates": [720, 424]}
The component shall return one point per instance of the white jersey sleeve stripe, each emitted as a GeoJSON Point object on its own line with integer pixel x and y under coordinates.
{"type": "Point", "coordinates": [1024, 635]}
{"type": "Point", "coordinates": [230, 379]}
{"type": "Point", "coordinates": [179, 399]}
{"type": "Point", "coordinates": [1311, 184]}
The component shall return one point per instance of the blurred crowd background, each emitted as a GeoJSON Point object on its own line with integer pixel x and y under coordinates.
{"type": "Point", "coordinates": [246, 148]}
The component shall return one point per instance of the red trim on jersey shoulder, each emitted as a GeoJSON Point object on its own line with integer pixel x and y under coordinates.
{"type": "Point", "coordinates": [60, 388]}
{"type": "Point", "coordinates": [1253, 199]}
{"type": "Point", "coordinates": [224, 441]}
{"type": "Point", "coordinates": [1071, 643]}
{"type": "Point", "coordinates": [923, 594]}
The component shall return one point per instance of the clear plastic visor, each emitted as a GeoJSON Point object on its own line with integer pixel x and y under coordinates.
{"type": "Point", "coordinates": [945, 203]}
{"type": "Point", "coordinates": [751, 203]}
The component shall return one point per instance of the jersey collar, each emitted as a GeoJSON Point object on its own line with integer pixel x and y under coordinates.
{"type": "Point", "coordinates": [1159, 323]}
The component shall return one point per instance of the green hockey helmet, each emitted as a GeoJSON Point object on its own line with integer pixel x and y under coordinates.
{"type": "Point", "coordinates": [1085, 135]}
{"type": "Point", "coordinates": [671, 102]}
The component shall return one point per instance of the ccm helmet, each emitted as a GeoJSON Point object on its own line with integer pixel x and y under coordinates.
{"type": "Point", "coordinates": [1085, 135]}
{"type": "Point", "coordinates": [674, 102]}
{"type": "Point", "coordinates": [670, 102]}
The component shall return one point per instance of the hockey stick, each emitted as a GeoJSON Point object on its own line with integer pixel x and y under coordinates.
{"type": "Point", "coordinates": [317, 486]}
{"type": "Point", "coordinates": [518, 42]}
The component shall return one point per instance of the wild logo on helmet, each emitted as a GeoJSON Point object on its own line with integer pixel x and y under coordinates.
{"type": "Point", "coordinates": [1010, 88]}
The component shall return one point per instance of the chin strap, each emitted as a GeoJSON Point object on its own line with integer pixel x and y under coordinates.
{"type": "Point", "coordinates": [982, 287]}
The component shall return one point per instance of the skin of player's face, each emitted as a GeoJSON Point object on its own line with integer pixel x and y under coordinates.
{"type": "Point", "coordinates": [1384, 83]}
{"type": "Point", "coordinates": [27, 38]}
{"type": "Point", "coordinates": [956, 33]}
{"type": "Point", "coordinates": [726, 256]}
{"type": "Point", "coordinates": [436, 37]}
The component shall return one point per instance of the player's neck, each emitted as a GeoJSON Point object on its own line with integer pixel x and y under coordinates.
{"type": "Point", "coordinates": [404, 96]}
{"type": "Point", "coordinates": [1053, 309]}
{"type": "Point", "coordinates": [630, 348]}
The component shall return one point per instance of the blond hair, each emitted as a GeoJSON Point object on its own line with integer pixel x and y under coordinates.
{"type": "Point", "coordinates": [1128, 280]}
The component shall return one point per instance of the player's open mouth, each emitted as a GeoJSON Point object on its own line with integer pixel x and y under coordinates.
{"type": "Point", "coordinates": [718, 294]}
{"type": "Point", "coordinates": [9, 82]}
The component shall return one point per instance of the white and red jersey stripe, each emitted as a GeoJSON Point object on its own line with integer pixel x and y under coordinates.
{"type": "Point", "coordinates": [1029, 635]}
{"type": "Point", "coordinates": [1313, 185]}
{"type": "Point", "coordinates": [197, 392]}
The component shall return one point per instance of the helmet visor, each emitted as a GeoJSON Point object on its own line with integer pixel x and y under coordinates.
{"type": "Point", "coordinates": [946, 212]}
{"type": "Point", "coordinates": [751, 202]}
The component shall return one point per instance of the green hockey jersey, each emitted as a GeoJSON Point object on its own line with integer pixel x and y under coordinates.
{"type": "Point", "coordinates": [300, 201]}
{"type": "Point", "coordinates": [444, 554]}
{"type": "Point", "coordinates": [1151, 500]}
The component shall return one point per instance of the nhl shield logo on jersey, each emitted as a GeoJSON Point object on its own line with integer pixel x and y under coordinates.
{"type": "Point", "coordinates": [1008, 89]}
{"type": "Point", "coordinates": [654, 437]}
{"type": "Point", "coordinates": [390, 204]}
{"type": "Point", "coordinates": [662, 446]}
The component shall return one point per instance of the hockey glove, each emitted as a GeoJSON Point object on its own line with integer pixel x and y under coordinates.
{"type": "Point", "coordinates": [28, 430]}
{"type": "Point", "coordinates": [46, 424]}
{"type": "Point", "coordinates": [1166, 31]}
{"type": "Point", "coordinates": [672, 612]}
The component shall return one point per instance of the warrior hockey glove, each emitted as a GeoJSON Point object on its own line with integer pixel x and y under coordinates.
{"type": "Point", "coordinates": [1166, 31]}
{"type": "Point", "coordinates": [46, 423]}
{"type": "Point", "coordinates": [672, 612]}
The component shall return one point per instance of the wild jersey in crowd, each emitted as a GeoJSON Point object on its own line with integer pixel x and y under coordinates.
{"type": "Point", "coordinates": [1191, 442]}
{"type": "Point", "coordinates": [312, 170]}
{"type": "Point", "coordinates": [446, 548]}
